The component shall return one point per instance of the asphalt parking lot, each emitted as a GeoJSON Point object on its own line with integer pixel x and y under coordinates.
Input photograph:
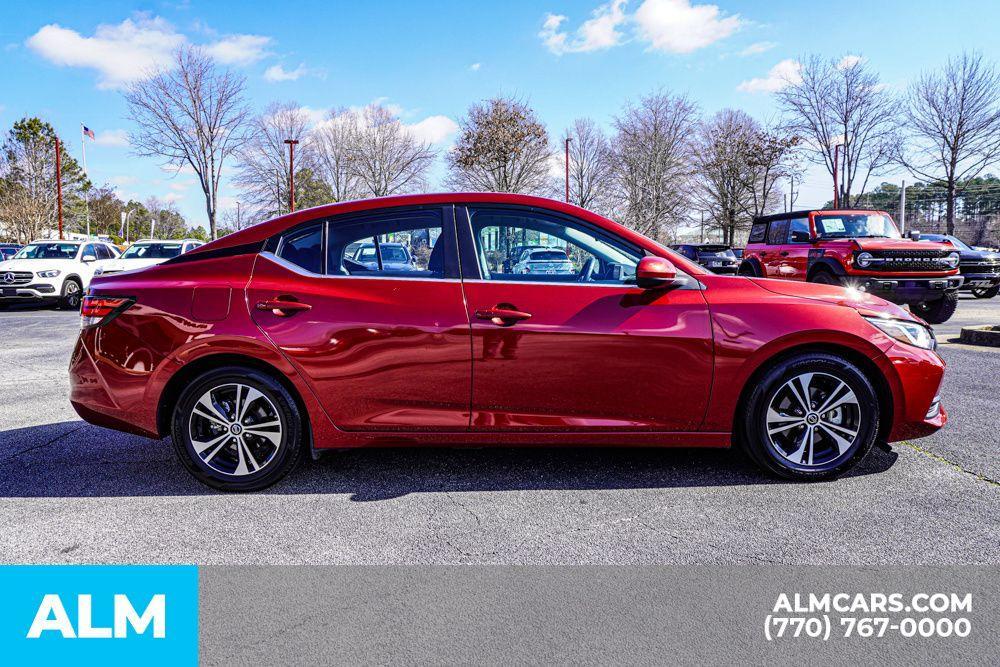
{"type": "Point", "coordinates": [71, 492]}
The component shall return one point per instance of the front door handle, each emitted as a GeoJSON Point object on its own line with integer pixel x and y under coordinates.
{"type": "Point", "coordinates": [502, 315]}
{"type": "Point", "coordinates": [283, 306]}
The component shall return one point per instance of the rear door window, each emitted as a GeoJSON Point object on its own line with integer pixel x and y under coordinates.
{"type": "Point", "coordinates": [777, 232]}
{"type": "Point", "coordinates": [393, 244]}
{"type": "Point", "coordinates": [304, 248]}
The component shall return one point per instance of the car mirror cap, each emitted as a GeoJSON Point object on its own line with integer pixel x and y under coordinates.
{"type": "Point", "coordinates": [656, 273]}
{"type": "Point", "coordinates": [88, 258]}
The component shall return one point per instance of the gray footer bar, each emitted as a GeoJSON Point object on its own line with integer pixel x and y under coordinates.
{"type": "Point", "coordinates": [593, 615]}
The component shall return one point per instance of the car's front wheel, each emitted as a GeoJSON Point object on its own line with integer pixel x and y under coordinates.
{"type": "Point", "coordinates": [811, 417]}
{"type": "Point", "coordinates": [937, 311]}
{"type": "Point", "coordinates": [237, 429]}
{"type": "Point", "coordinates": [71, 294]}
{"type": "Point", "coordinates": [986, 292]}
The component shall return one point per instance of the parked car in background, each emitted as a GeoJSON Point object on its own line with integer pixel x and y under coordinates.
{"type": "Point", "coordinates": [716, 257]}
{"type": "Point", "coordinates": [8, 250]}
{"type": "Point", "coordinates": [738, 252]}
{"type": "Point", "coordinates": [980, 268]}
{"type": "Point", "coordinates": [57, 271]}
{"type": "Point", "coordinates": [860, 249]}
{"type": "Point", "coordinates": [547, 261]}
{"type": "Point", "coordinates": [394, 257]}
{"type": "Point", "coordinates": [147, 252]}
{"type": "Point", "coordinates": [268, 345]}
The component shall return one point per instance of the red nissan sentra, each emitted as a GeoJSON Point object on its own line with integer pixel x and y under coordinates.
{"type": "Point", "coordinates": [417, 320]}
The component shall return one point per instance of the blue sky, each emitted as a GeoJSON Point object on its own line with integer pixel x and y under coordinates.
{"type": "Point", "coordinates": [66, 61]}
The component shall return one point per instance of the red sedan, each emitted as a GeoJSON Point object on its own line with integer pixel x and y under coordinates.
{"type": "Point", "coordinates": [273, 342]}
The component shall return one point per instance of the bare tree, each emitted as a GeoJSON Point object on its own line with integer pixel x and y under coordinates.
{"type": "Point", "coordinates": [263, 174]}
{"type": "Point", "coordinates": [842, 102]}
{"type": "Point", "coordinates": [503, 147]}
{"type": "Point", "coordinates": [653, 163]}
{"type": "Point", "coordinates": [333, 142]}
{"type": "Point", "coordinates": [28, 181]}
{"type": "Point", "coordinates": [952, 121]}
{"type": "Point", "coordinates": [192, 114]}
{"type": "Point", "coordinates": [591, 170]}
{"type": "Point", "coordinates": [386, 159]}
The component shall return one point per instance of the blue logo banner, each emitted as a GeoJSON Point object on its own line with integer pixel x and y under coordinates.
{"type": "Point", "coordinates": [99, 614]}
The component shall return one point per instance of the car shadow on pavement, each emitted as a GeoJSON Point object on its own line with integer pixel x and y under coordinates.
{"type": "Point", "coordinates": [75, 459]}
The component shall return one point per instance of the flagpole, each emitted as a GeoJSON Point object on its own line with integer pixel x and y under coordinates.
{"type": "Point", "coordinates": [86, 198]}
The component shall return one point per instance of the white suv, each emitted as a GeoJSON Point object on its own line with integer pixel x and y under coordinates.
{"type": "Point", "coordinates": [53, 270]}
{"type": "Point", "coordinates": [148, 252]}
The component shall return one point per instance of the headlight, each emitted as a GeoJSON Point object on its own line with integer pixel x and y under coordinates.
{"type": "Point", "coordinates": [48, 274]}
{"type": "Point", "coordinates": [911, 333]}
{"type": "Point", "coordinates": [98, 272]}
{"type": "Point", "coordinates": [951, 260]}
{"type": "Point", "coordinates": [863, 259]}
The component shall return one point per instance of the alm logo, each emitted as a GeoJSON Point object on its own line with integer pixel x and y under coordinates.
{"type": "Point", "coordinates": [51, 617]}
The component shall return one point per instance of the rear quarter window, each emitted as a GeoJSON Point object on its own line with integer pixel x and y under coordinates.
{"type": "Point", "coordinates": [758, 232]}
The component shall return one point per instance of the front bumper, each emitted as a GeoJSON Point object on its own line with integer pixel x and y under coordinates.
{"type": "Point", "coordinates": [908, 290]}
{"type": "Point", "coordinates": [34, 291]}
{"type": "Point", "coordinates": [980, 281]}
{"type": "Point", "coordinates": [914, 375]}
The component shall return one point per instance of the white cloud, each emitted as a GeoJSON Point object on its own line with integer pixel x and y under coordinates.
{"type": "Point", "coordinates": [239, 49]}
{"type": "Point", "coordinates": [785, 73]}
{"type": "Point", "coordinates": [277, 73]}
{"type": "Point", "coordinates": [677, 26]}
{"type": "Point", "coordinates": [171, 198]}
{"type": "Point", "coordinates": [474, 67]}
{"type": "Point", "coordinates": [757, 48]}
{"type": "Point", "coordinates": [313, 115]}
{"type": "Point", "coordinates": [434, 129]}
{"type": "Point", "coordinates": [849, 61]}
{"type": "Point", "coordinates": [121, 53]}
{"type": "Point", "coordinates": [121, 181]}
{"type": "Point", "coordinates": [131, 50]}
{"type": "Point", "coordinates": [597, 33]}
{"type": "Point", "coordinates": [116, 138]}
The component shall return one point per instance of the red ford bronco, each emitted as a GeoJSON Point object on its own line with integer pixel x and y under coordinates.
{"type": "Point", "coordinates": [855, 248]}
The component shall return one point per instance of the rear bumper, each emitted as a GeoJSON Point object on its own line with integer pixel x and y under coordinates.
{"type": "Point", "coordinates": [908, 290]}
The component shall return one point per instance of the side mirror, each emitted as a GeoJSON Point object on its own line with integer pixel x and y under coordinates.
{"type": "Point", "coordinates": [914, 235]}
{"type": "Point", "coordinates": [87, 259]}
{"type": "Point", "coordinates": [655, 273]}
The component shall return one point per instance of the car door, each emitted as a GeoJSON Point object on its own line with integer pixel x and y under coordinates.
{"type": "Point", "coordinates": [772, 257]}
{"type": "Point", "coordinates": [383, 349]}
{"type": "Point", "coordinates": [582, 352]}
{"type": "Point", "coordinates": [87, 268]}
{"type": "Point", "coordinates": [793, 258]}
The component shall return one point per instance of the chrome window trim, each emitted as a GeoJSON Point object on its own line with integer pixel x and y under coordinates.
{"type": "Point", "coordinates": [295, 268]}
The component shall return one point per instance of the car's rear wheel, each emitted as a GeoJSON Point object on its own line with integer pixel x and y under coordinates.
{"type": "Point", "coordinates": [71, 294]}
{"type": "Point", "coordinates": [986, 292]}
{"type": "Point", "coordinates": [937, 311]}
{"type": "Point", "coordinates": [237, 429]}
{"type": "Point", "coordinates": [811, 417]}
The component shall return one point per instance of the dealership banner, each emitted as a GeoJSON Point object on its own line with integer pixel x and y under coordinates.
{"type": "Point", "coordinates": [220, 615]}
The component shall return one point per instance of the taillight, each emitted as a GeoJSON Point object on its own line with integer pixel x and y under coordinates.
{"type": "Point", "coordinates": [98, 310]}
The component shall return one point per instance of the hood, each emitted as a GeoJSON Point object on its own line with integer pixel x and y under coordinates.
{"type": "Point", "coordinates": [866, 304]}
{"type": "Point", "coordinates": [130, 264]}
{"type": "Point", "coordinates": [36, 265]}
{"type": "Point", "coordinates": [902, 244]}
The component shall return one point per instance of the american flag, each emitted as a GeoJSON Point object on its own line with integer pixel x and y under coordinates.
{"type": "Point", "coordinates": [89, 132]}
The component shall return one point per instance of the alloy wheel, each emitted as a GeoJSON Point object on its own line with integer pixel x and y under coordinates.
{"type": "Point", "coordinates": [813, 420]}
{"type": "Point", "coordinates": [235, 429]}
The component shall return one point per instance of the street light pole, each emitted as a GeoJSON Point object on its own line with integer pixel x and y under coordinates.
{"type": "Point", "coordinates": [291, 173]}
{"type": "Point", "coordinates": [59, 187]}
{"type": "Point", "coordinates": [568, 139]}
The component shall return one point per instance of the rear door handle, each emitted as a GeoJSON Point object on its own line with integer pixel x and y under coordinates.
{"type": "Point", "coordinates": [283, 306]}
{"type": "Point", "coordinates": [783, 254]}
{"type": "Point", "coordinates": [502, 315]}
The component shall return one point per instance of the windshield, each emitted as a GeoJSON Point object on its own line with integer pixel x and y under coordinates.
{"type": "Point", "coordinates": [548, 255]}
{"type": "Point", "coordinates": [856, 225]}
{"type": "Point", "coordinates": [152, 251]}
{"type": "Point", "coordinates": [48, 251]}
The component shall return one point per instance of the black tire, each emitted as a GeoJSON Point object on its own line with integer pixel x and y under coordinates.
{"type": "Point", "coordinates": [938, 311]}
{"type": "Point", "coordinates": [986, 292]}
{"type": "Point", "coordinates": [260, 467]}
{"type": "Point", "coordinates": [824, 277]}
{"type": "Point", "coordinates": [820, 456]}
{"type": "Point", "coordinates": [747, 269]}
{"type": "Point", "coordinates": [72, 293]}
